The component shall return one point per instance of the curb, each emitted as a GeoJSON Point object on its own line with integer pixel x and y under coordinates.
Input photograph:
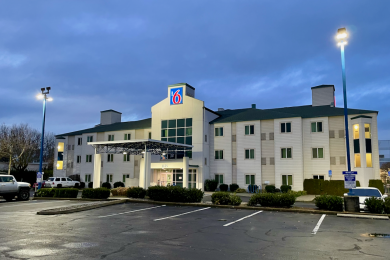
{"type": "Point", "coordinates": [58, 211]}
{"type": "Point", "coordinates": [81, 199]}
{"type": "Point", "coordinates": [365, 216]}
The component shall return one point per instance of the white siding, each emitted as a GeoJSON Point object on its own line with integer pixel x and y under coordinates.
{"type": "Point", "coordinates": [267, 151]}
{"type": "Point", "coordinates": [221, 143]}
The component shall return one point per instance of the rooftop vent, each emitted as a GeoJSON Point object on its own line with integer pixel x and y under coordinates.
{"type": "Point", "coordinates": [110, 116]}
{"type": "Point", "coordinates": [221, 109]}
{"type": "Point", "coordinates": [253, 105]}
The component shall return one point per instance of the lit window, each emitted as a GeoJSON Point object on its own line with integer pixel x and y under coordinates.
{"type": "Point", "coordinates": [356, 131]}
{"type": "Point", "coordinates": [357, 160]}
{"type": "Point", "coordinates": [60, 164]}
{"type": "Point", "coordinates": [369, 159]}
{"type": "Point", "coordinates": [367, 131]}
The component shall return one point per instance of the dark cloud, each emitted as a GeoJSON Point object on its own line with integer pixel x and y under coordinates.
{"type": "Point", "coordinates": [98, 55]}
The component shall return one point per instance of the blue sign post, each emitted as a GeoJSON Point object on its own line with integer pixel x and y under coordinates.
{"type": "Point", "coordinates": [388, 173]}
{"type": "Point", "coordinates": [39, 180]}
{"type": "Point", "coordinates": [330, 174]}
{"type": "Point", "coordinates": [350, 180]}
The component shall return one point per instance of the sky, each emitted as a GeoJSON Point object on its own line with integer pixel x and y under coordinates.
{"type": "Point", "coordinates": [122, 55]}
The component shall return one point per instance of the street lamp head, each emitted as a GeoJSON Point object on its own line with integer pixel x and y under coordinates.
{"type": "Point", "coordinates": [40, 96]}
{"type": "Point", "coordinates": [48, 88]}
{"type": "Point", "coordinates": [342, 36]}
{"type": "Point", "coordinates": [42, 89]}
{"type": "Point", "coordinates": [49, 99]}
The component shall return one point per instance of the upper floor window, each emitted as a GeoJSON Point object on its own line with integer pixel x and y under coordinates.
{"type": "Point", "coordinates": [219, 131]}
{"type": "Point", "coordinates": [110, 137]}
{"type": "Point", "coordinates": [88, 158]}
{"type": "Point", "coordinates": [218, 154]}
{"type": "Point", "coordinates": [127, 137]}
{"type": "Point", "coordinates": [150, 135]}
{"type": "Point", "coordinates": [286, 153]}
{"type": "Point", "coordinates": [78, 159]}
{"type": "Point", "coordinates": [126, 157]}
{"type": "Point", "coordinates": [110, 157]}
{"type": "Point", "coordinates": [79, 141]}
{"type": "Point", "coordinates": [249, 130]}
{"type": "Point", "coordinates": [316, 127]}
{"type": "Point", "coordinates": [249, 153]}
{"type": "Point", "coordinates": [356, 131]}
{"type": "Point", "coordinates": [177, 131]}
{"type": "Point", "coordinates": [318, 153]}
{"type": "Point", "coordinates": [90, 138]}
{"type": "Point", "coordinates": [285, 127]}
{"type": "Point", "coordinates": [367, 131]}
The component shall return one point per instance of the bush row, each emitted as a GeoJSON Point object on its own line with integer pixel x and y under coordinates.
{"type": "Point", "coordinates": [272, 200]}
{"type": "Point", "coordinates": [175, 194]}
{"type": "Point", "coordinates": [379, 206]}
{"type": "Point", "coordinates": [98, 193]}
{"type": "Point", "coordinates": [377, 184]}
{"type": "Point", "coordinates": [58, 192]}
{"type": "Point", "coordinates": [322, 187]}
{"type": "Point", "coordinates": [225, 198]}
{"type": "Point", "coordinates": [329, 202]}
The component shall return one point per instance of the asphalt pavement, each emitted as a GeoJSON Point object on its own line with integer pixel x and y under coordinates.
{"type": "Point", "coordinates": [147, 231]}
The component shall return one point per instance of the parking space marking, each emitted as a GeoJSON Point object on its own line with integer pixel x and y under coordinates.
{"type": "Point", "coordinates": [228, 224]}
{"type": "Point", "coordinates": [181, 214]}
{"type": "Point", "coordinates": [318, 224]}
{"type": "Point", "coordinates": [31, 202]}
{"type": "Point", "coordinates": [130, 211]}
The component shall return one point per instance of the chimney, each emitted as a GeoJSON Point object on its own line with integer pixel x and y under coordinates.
{"type": "Point", "coordinates": [108, 117]}
{"type": "Point", "coordinates": [323, 95]}
{"type": "Point", "coordinates": [253, 105]}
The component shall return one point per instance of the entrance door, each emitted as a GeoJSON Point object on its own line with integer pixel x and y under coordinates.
{"type": "Point", "coordinates": [178, 178]}
{"type": "Point", "coordinates": [166, 179]}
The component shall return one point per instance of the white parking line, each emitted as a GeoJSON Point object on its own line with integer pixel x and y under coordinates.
{"type": "Point", "coordinates": [182, 214]}
{"type": "Point", "coordinates": [228, 224]}
{"type": "Point", "coordinates": [31, 202]}
{"type": "Point", "coordinates": [130, 211]}
{"type": "Point", "coordinates": [318, 225]}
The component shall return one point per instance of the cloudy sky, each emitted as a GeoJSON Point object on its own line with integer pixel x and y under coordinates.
{"type": "Point", "coordinates": [122, 55]}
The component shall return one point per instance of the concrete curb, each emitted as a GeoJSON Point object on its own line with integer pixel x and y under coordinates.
{"type": "Point", "coordinates": [81, 199]}
{"type": "Point", "coordinates": [87, 207]}
{"type": "Point", "coordinates": [384, 217]}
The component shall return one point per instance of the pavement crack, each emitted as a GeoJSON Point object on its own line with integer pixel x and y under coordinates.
{"type": "Point", "coordinates": [356, 248]}
{"type": "Point", "coordinates": [284, 238]}
{"type": "Point", "coordinates": [370, 254]}
{"type": "Point", "coordinates": [119, 250]}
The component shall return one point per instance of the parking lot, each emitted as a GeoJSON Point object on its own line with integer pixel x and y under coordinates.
{"type": "Point", "coordinates": [139, 231]}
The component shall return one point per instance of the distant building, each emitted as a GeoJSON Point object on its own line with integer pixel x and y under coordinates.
{"type": "Point", "coordinates": [384, 151]}
{"type": "Point", "coordinates": [244, 146]}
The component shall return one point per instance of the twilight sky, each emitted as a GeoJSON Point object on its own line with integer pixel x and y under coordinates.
{"type": "Point", "coordinates": [122, 55]}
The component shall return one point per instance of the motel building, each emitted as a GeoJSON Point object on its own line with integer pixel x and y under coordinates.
{"type": "Point", "coordinates": [184, 143]}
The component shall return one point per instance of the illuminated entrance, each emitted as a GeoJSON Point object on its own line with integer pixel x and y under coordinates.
{"type": "Point", "coordinates": [174, 177]}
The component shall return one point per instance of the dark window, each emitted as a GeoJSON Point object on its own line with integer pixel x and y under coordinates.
{"type": "Point", "coordinates": [288, 127]}
{"type": "Point", "coordinates": [189, 140]}
{"type": "Point", "coordinates": [172, 123]}
{"type": "Point", "coordinates": [180, 131]}
{"type": "Point", "coordinates": [180, 123]}
{"type": "Point", "coordinates": [171, 132]}
{"type": "Point", "coordinates": [180, 140]}
{"type": "Point", "coordinates": [368, 146]}
{"type": "Point", "coordinates": [172, 139]}
{"type": "Point", "coordinates": [283, 128]}
{"type": "Point", "coordinates": [356, 146]}
{"type": "Point", "coordinates": [164, 124]}
{"type": "Point", "coordinates": [188, 122]}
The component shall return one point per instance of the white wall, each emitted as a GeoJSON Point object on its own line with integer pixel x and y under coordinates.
{"type": "Point", "coordinates": [221, 143]}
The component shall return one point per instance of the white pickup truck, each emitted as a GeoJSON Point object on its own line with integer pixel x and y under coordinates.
{"type": "Point", "coordinates": [61, 182]}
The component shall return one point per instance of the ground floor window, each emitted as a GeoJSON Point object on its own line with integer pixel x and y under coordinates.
{"type": "Point", "coordinates": [249, 179]}
{"type": "Point", "coordinates": [125, 176]}
{"type": "Point", "coordinates": [192, 178]}
{"type": "Point", "coordinates": [318, 177]}
{"type": "Point", "coordinates": [287, 180]}
{"type": "Point", "coordinates": [219, 178]}
{"type": "Point", "coordinates": [87, 177]}
{"type": "Point", "coordinates": [109, 178]}
{"type": "Point", "coordinates": [178, 178]}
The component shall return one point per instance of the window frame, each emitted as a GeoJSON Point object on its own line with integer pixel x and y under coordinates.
{"type": "Point", "coordinates": [88, 158]}
{"type": "Point", "coordinates": [281, 153]}
{"type": "Point", "coordinates": [78, 159]}
{"type": "Point", "coordinates": [109, 177]}
{"type": "Point", "coordinates": [249, 130]}
{"type": "Point", "coordinates": [111, 137]}
{"type": "Point", "coordinates": [318, 176]}
{"type": "Point", "coordinates": [110, 157]}
{"type": "Point", "coordinates": [249, 149]}
{"type": "Point", "coordinates": [219, 177]}
{"type": "Point", "coordinates": [220, 152]}
{"type": "Point", "coordinates": [316, 122]}
{"type": "Point", "coordinates": [79, 141]}
{"type": "Point", "coordinates": [127, 136]}
{"type": "Point", "coordinates": [89, 138]}
{"type": "Point", "coordinates": [219, 131]}
{"type": "Point", "coordinates": [323, 153]}
{"type": "Point", "coordinates": [287, 179]}
{"type": "Point", "coordinates": [285, 127]}
{"type": "Point", "coordinates": [249, 177]}
{"type": "Point", "coordinates": [126, 157]}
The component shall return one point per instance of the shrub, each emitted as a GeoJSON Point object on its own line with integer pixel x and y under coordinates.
{"type": "Point", "coordinates": [90, 184]}
{"type": "Point", "coordinates": [45, 192]}
{"type": "Point", "coordinates": [377, 184]}
{"type": "Point", "coordinates": [374, 205]}
{"type": "Point", "coordinates": [270, 188]}
{"type": "Point", "coordinates": [210, 185]}
{"type": "Point", "coordinates": [239, 190]}
{"type": "Point", "coordinates": [285, 188]}
{"type": "Point", "coordinates": [136, 192]}
{"type": "Point", "coordinates": [272, 200]}
{"type": "Point", "coordinates": [175, 194]}
{"type": "Point", "coordinates": [106, 185]}
{"type": "Point", "coordinates": [98, 193]}
{"type": "Point", "coordinates": [225, 198]}
{"type": "Point", "coordinates": [321, 187]}
{"type": "Point", "coordinates": [297, 193]}
{"type": "Point", "coordinates": [223, 187]}
{"type": "Point", "coordinates": [66, 193]}
{"type": "Point", "coordinates": [329, 202]}
{"type": "Point", "coordinates": [82, 185]}
{"type": "Point", "coordinates": [233, 187]}
{"type": "Point", "coordinates": [386, 205]}
{"type": "Point", "coordinates": [119, 184]}
{"type": "Point", "coordinates": [121, 191]}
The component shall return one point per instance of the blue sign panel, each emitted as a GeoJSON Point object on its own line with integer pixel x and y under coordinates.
{"type": "Point", "coordinates": [388, 173]}
{"type": "Point", "coordinates": [330, 173]}
{"type": "Point", "coordinates": [176, 96]}
{"type": "Point", "coordinates": [351, 172]}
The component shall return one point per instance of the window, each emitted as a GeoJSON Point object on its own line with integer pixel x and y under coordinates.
{"type": "Point", "coordinates": [150, 135]}
{"type": "Point", "coordinates": [72, 146]}
{"type": "Point", "coordinates": [318, 177]}
{"type": "Point", "coordinates": [87, 177]}
{"type": "Point", "coordinates": [332, 160]}
{"type": "Point", "coordinates": [263, 136]}
{"type": "Point", "coordinates": [60, 165]}
{"type": "Point", "coordinates": [249, 130]}
{"type": "Point", "coordinates": [367, 131]}
{"type": "Point", "coordinates": [177, 131]}
{"type": "Point", "coordinates": [110, 157]}
{"type": "Point", "coordinates": [318, 153]}
{"type": "Point", "coordinates": [368, 160]}
{"type": "Point", "coordinates": [90, 138]}
{"type": "Point", "coordinates": [234, 137]}
{"type": "Point", "coordinates": [316, 127]}
{"type": "Point", "coordinates": [205, 161]}
{"type": "Point", "coordinates": [381, 156]}
{"type": "Point", "coordinates": [110, 137]}
{"type": "Point", "coordinates": [219, 131]}
{"type": "Point", "coordinates": [341, 134]}
{"type": "Point", "coordinates": [109, 178]}
{"type": "Point", "coordinates": [272, 161]}
{"type": "Point", "coordinates": [126, 157]}
{"type": "Point", "coordinates": [285, 127]}
{"type": "Point", "coordinates": [249, 153]}
{"type": "Point", "coordinates": [263, 161]}
{"type": "Point", "coordinates": [249, 179]}
{"type": "Point", "coordinates": [218, 154]}
{"type": "Point", "coordinates": [78, 158]}
{"type": "Point", "coordinates": [192, 179]}
{"type": "Point", "coordinates": [219, 178]}
{"type": "Point", "coordinates": [234, 161]}
{"type": "Point", "coordinates": [79, 141]}
{"type": "Point", "coordinates": [69, 147]}
{"type": "Point", "coordinates": [356, 131]}
{"type": "Point", "coordinates": [357, 160]}
{"type": "Point", "coordinates": [88, 158]}
{"type": "Point", "coordinates": [331, 134]}
{"type": "Point", "coordinates": [287, 180]}
{"type": "Point", "coordinates": [286, 153]}
{"type": "Point", "coordinates": [127, 137]}
{"type": "Point", "coordinates": [205, 138]}
{"type": "Point", "coordinates": [271, 136]}
{"type": "Point", "coordinates": [125, 176]}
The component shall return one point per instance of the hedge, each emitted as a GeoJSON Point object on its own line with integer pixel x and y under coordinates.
{"type": "Point", "coordinates": [119, 184]}
{"type": "Point", "coordinates": [136, 192]}
{"type": "Point", "coordinates": [272, 200]}
{"type": "Point", "coordinates": [270, 188]}
{"type": "Point", "coordinates": [223, 187]}
{"type": "Point", "coordinates": [58, 193]}
{"type": "Point", "coordinates": [285, 188]}
{"type": "Point", "coordinates": [175, 194]}
{"type": "Point", "coordinates": [233, 187]}
{"type": "Point", "coordinates": [210, 185]}
{"type": "Point", "coordinates": [374, 205]}
{"type": "Point", "coordinates": [82, 185]}
{"type": "Point", "coordinates": [386, 205]}
{"type": "Point", "coordinates": [98, 193]}
{"type": "Point", "coordinates": [106, 185]}
{"type": "Point", "coordinates": [377, 184]}
{"type": "Point", "coordinates": [225, 198]}
{"type": "Point", "coordinates": [90, 184]}
{"type": "Point", "coordinates": [322, 187]}
{"type": "Point", "coordinates": [329, 202]}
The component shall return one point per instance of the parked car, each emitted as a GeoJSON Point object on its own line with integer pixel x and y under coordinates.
{"type": "Point", "coordinates": [9, 188]}
{"type": "Point", "coordinates": [364, 193]}
{"type": "Point", "coordinates": [36, 185]}
{"type": "Point", "coordinates": [61, 182]}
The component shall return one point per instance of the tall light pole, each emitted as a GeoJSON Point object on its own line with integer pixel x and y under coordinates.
{"type": "Point", "coordinates": [43, 96]}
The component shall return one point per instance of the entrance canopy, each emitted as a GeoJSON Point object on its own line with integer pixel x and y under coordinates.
{"type": "Point", "coordinates": [137, 147]}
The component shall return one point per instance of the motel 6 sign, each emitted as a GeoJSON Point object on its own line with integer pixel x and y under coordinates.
{"type": "Point", "coordinates": [176, 96]}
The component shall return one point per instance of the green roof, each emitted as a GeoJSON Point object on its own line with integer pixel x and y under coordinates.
{"type": "Point", "coordinates": [131, 125]}
{"type": "Point", "coordinates": [110, 110]}
{"type": "Point", "coordinates": [309, 111]}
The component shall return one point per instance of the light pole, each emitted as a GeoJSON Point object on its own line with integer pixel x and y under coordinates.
{"type": "Point", "coordinates": [342, 40]}
{"type": "Point", "coordinates": [43, 96]}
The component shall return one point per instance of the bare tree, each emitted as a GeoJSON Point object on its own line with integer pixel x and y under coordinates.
{"type": "Point", "coordinates": [19, 144]}
{"type": "Point", "coordinates": [48, 149]}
